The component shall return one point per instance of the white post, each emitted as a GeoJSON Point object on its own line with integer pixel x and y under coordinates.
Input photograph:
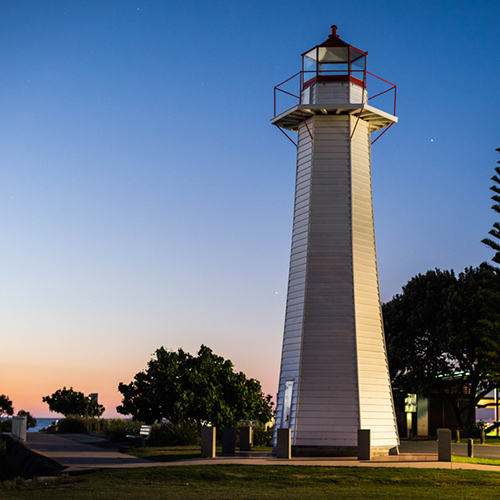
{"type": "Point", "coordinates": [19, 428]}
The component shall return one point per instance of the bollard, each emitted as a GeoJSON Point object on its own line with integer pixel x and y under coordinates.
{"type": "Point", "coordinates": [457, 435]}
{"type": "Point", "coordinates": [444, 445]}
{"type": "Point", "coordinates": [208, 442]}
{"type": "Point", "coordinates": [483, 437]}
{"type": "Point", "coordinates": [284, 445]}
{"type": "Point", "coordinates": [470, 448]}
{"type": "Point", "coordinates": [364, 444]}
{"type": "Point", "coordinates": [245, 439]}
{"type": "Point", "coordinates": [229, 440]}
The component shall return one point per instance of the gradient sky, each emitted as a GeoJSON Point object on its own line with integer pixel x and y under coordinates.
{"type": "Point", "coordinates": [146, 201]}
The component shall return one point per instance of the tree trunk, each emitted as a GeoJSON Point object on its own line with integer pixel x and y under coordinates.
{"type": "Point", "coordinates": [454, 402]}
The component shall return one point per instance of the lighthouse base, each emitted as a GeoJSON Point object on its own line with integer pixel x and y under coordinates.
{"type": "Point", "coordinates": [340, 451]}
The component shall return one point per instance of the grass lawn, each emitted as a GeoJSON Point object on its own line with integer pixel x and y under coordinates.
{"type": "Point", "coordinates": [174, 453]}
{"type": "Point", "coordinates": [484, 461]}
{"type": "Point", "coordinates": [494, 441]}
{"type": "Point", "coordinates": [244, 482]}
{"type": "Point", "coordinates": [489, 440]}
{"type": "Point", "coordinates": [165, 453]}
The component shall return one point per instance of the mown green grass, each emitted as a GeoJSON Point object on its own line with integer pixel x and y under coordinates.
{"type": "Point", "coordinates": [246, 482]}
{"type": "Point", "coordinates": [489, 440]}
{"type": "Point", "coordinates": [164, 453]}
{"type": "Point", "coordinates": [483, 461]}
{"type": "Point", "coordinates": [175, 453]}
{"type": "Point", "coordinates": [494, 441]}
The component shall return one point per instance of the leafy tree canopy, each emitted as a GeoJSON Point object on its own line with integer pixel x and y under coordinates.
{"type": "Point", "coordinates": [6, 408]}
{"type": "Point", "coordinates": [202, 389]}
{"type": "Point", "coordinates": [443, 334]}
{"type": "Point", "coordinates": [70, 402]}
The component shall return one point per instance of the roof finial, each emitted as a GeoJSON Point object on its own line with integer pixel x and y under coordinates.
{"type": "Point", "coordinates": [334, 30]}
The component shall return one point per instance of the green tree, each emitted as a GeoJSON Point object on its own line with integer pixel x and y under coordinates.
{"type": "Point", "coordinates": [443, 334]}
{"type": "Point", "coordinates": [70, 402]}
{"type": "Point", "coordinates": [202, 389]}
{"type": "Point", "coordinates": [495, 232]}
{"type": "Point", "coordinates": [30, 420]}
{"type": "Point", "coordinates": [6, 408]}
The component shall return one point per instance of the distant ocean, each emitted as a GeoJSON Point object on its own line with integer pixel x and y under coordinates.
{"type": "Point", "coordinates": [42, 423]}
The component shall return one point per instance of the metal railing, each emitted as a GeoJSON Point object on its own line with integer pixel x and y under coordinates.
{"type": "Point", "coordinates": [278, 88]}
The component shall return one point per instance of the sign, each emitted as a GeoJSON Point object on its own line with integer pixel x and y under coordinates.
{"type": "Point", "coordinates": [411, 403]}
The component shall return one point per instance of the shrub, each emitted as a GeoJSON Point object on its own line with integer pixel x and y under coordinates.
{"type": "Point", "coordinates": [262, 437]}
{"type": "Point", "coordinates": [169, 434]}
{"type": "Point", "coordinates": [6, 425]}
{"type": "Point", "coordinates": [72, 424]}
{"type": "Point", "coordinates": [116, 429]}
{"type": "Point", "coordinates": [94, 424]}
{"type": "Point", "coordinates": [475, 430]}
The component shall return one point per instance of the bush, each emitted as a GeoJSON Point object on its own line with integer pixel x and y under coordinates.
{"type": "Point", "coordinates": [94, 424]}
{"type": "Point", "coordinates": [116, 429]}
{"type": "Point", "coordinates": [169, 434]}
{"type": "Point", "coordinates": [6, 425]}
{"type": "Point", "coordinates": [72, 424]}
{"type": "Point", "coordinates": [262, 437]}
{"type": "Point", "coordinates": [475, 431]}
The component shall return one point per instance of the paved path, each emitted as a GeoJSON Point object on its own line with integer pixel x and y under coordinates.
{"type": "Point", "coordinates": [77, 452]}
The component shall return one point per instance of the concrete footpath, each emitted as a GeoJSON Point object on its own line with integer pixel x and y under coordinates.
{"type": "Point", "coordinates": [81, 452]}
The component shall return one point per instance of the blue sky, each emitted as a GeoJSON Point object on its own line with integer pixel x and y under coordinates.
{"type": "Point", "coordinates": [145, 199]}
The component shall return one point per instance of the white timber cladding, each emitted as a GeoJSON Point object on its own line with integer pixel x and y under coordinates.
{"type": "Point", "coordinates": [292, 338]}
{"type": "Point", "coordinates": [334, 92]}
{"type": "Point", "coordinates": [375, 395]}
{"type": "Point", "coordinates": [327, 413]}
{"type": "Point", "coordinates": [333, 344]}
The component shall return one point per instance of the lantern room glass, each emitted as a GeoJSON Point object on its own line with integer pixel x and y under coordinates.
{"type": "Point", "coordinates": [334, 64]}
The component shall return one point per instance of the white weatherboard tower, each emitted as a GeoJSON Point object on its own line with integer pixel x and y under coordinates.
{"type": "Point", "coordinates": [334, 375]}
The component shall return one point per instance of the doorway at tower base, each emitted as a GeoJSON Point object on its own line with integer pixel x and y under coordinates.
{"type": "Point", "coordinates": [341, 451]}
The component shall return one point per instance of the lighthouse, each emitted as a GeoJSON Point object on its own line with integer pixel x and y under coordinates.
{"type": "Point", "coordinates": [334, 376]}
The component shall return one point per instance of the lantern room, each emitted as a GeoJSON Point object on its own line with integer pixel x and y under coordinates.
{"type": "Point", "coordinates": [333, 72]}
{"type": "Point", "coordinates": [334, 61]}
